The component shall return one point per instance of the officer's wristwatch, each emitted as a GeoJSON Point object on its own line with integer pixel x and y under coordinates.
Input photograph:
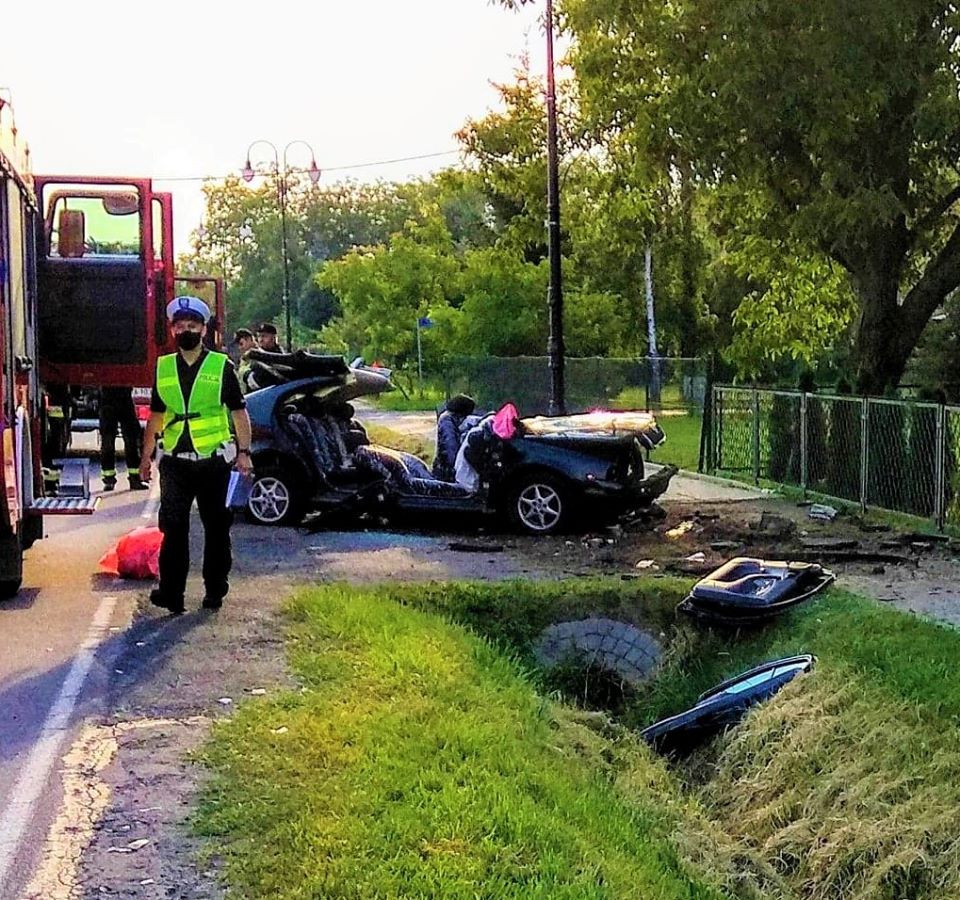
{"type": "Point", "coordinates": [243, 450]}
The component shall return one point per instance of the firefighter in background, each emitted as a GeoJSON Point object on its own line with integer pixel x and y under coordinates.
{"type": "Point", "coordinates": [117, 411]}
{"type": "Point", "coordinates": [245, 341]}
{"type": "Point", "coordinates": [196, 398]}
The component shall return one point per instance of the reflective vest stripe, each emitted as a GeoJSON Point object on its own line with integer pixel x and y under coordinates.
{"type": "Point", "coordinates": [202, 413]}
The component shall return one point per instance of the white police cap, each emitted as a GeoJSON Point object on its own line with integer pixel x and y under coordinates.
{"type": "Point", "coordinates": [187, 305]}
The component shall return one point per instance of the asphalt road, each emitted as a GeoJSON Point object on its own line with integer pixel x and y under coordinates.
{"type": "Point", "coordinates": [57, 639]}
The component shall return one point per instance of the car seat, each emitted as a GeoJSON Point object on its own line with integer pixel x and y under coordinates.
{"type": "Point", "coordinates": [407, 472]}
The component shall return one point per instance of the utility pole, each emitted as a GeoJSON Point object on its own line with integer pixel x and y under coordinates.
{"type": "Point", "coordinates": [651, 329]}
{"type": "Point", "coordinates": [555, 347]}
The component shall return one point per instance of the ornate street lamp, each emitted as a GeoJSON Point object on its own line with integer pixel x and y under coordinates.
{"type": "Point", "coordinates": [281, 170]}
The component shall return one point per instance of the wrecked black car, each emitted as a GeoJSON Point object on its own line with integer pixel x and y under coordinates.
{"type": "Point", "coordinates": [311, 455]}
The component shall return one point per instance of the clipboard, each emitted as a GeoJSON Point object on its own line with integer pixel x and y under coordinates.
{"type": "Point", "coordinates": [238, 490]}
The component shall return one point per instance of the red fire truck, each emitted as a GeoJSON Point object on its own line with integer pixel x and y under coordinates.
{"type": "Point", "coordinates": [86, 271]}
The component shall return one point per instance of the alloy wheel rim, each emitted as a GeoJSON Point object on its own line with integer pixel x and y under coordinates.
{"type": "Point", "coordinates": [269, 500]}
{"type": "Point", "coordinates": [539, 507]}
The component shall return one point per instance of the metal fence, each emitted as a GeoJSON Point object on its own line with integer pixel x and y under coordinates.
{"type": "Point", "coordinates": [662, 383]}
{"type": "Point", "coordinates": [891, 454]}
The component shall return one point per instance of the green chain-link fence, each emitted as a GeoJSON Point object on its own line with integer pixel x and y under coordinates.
{"type": "Point", "coordinates": [890, 454]}
{"type": "Point", "coordinates": [590, 382]}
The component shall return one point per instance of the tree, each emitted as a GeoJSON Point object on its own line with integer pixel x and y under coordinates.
{"type": "Point", "coordinates": [509, 147]}
{"type": "Point", "coordinates": [383, 290]}
{"type": "Point", "coordinates": [839, 117]}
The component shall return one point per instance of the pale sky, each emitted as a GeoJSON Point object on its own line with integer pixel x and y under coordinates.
{"type": "Point", "coordinates": [180, 89]}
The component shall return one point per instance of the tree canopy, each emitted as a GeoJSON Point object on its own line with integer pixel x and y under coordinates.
{"type": "Point", "coordinates": [839, 118]}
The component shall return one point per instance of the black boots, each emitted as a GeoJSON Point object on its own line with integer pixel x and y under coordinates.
{"type": "Point", "coordinates": [136, 482]}
{"type": "Point", "coordinates": [172, 605]}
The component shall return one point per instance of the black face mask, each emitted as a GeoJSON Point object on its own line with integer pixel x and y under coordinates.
{"type": "Point", "coordinates": [188, 340]}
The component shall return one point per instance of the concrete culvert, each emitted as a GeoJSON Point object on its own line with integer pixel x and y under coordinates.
{"type": "Point", "coordinates": [619, 648]}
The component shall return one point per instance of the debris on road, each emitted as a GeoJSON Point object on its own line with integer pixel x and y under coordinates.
{"type": "Point", "coordinates": [132, 847]}
{"type": "Point", "coordinates": [468, 547]}
{"type": "Point", "coordinates": [722, 546]}
{"type": "Point", "coordinates": [680, 530]}
{"type": "Point", "coordinates": [829, 544]}
{"type": "Point", "coordinates": [773, 526]}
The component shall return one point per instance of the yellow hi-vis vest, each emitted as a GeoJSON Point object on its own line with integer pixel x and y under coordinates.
{"type": "Point", "coordinates": [209, 425]}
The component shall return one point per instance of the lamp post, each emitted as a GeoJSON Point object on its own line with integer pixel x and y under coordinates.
{"type": "Point", "coordinates": [555, 347]}
{"type": "Point", "coordinates": [281, 170]}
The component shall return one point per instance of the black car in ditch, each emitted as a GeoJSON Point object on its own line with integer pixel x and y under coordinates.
{"type": "Point", "coordinates": [311, 455]}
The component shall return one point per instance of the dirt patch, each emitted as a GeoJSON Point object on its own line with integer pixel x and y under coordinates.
{"type": "Point", "coordinates": [914, 572]}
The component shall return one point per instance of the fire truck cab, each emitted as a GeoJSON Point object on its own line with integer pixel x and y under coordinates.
{"type": "Point", "coordinates": [105, 272]}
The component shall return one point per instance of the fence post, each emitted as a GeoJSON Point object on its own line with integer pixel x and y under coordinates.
{"type": "Point", "coordinates": [705, 462]}
{"type": "Point", "coordinates": [717, 448]}
{"type": "Point", "coordinates": [864, 451]}
{"type": "Point", "coordinates": [756, 437]}
{"type": "Point", "coordinates": [804, 446]}
{"type": "Point", "coordinates": [940, 471]}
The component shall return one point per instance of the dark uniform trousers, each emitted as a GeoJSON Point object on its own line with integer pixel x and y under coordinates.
{"type": "Point", "coordinates": [182, 481]}
{"type": "Point", "coordinates": [117, 409]}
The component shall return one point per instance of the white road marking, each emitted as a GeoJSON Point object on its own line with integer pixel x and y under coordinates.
{"type": "Point", "coordinates": [33, 777]}
{"type": "Point", "coordinates": [152, 505]}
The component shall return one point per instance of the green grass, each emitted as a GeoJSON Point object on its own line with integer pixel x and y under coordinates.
{"type": "Point", "coordinates": [427, 398]}
{"type": "Point", "coordinates": [671, 397]}
{"type": "Point", "coordinates": [409, 443]}
{"type": "Point", "coordinates": [419, 762]}
{"type": "Point", "coordinates": [426, 756]}
{"type": "Point", "coordinates": [847, 785]}
{"type": "Point", "coordinates": [682, 446]}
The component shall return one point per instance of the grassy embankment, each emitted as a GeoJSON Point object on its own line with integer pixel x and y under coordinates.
{"type": "Point", "coordinates": [426, 757]}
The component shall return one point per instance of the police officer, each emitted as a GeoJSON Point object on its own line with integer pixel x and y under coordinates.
{"type": "Point", "coordinates": [117, 410]}
{"type": "Point", "coordinates": [267, 338]}
{"type": "Point", "coordinates": [195, 396]}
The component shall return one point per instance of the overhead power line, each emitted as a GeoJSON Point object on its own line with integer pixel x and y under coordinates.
{"type": "Point", "coordinates": [365, 165]}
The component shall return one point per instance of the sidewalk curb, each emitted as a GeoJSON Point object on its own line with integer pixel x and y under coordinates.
{"type": "Point", "coordinates": [716, 479]}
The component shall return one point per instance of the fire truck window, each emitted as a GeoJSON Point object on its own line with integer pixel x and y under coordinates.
{"type": "Point", "coordinates": [94, 227]}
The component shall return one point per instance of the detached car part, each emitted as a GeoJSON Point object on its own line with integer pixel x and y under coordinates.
{"type": "Point", "coordinates": [747, 591]}
{"type": "Point", "coordinates": [724, 705]}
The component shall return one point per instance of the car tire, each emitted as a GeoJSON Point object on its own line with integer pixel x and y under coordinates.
{"type": "Point", "coordinates": [539, 504]}
{"type": "Point", "coordinates": [276, 498]}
